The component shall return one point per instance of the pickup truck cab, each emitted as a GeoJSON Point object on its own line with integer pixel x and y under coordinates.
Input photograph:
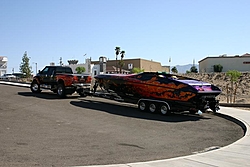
{"type": "Point", "coordinates": [61, 80]}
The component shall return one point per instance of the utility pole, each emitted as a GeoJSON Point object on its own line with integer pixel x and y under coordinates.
{"type": "Point", "coordinates": [36, 68]}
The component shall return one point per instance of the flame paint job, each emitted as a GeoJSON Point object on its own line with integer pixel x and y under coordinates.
{"type": "Point", "coordinates": [68, 79]}
{"type": "Point", "coordinates": [155, 86]}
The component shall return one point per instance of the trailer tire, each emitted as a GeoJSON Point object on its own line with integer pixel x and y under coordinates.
{"type": "Point", "coordinates": [192, 111]}
{"type": "Point", "coordinates": [83, 94]}
{"type": "Point", "coordinates": [164, 109]}
{"type": "Point", "coordinates": [152, 107]}
{"type": "Point", "coordinates": [142, 105]}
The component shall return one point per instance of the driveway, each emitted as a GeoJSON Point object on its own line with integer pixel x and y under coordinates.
{"type": "Point", "coordinates": [42, 130]}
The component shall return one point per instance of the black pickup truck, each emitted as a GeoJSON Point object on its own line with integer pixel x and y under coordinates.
{"type": "Point", "coordinates": [61, 80]}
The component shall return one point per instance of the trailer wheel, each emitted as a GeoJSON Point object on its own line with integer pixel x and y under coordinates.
{"type": "Point", "coordinates": [83, 94]}
{"type": "Point", "coordinates": [142, 105]}
{"type": "Point", "coordinates": [164, 109]}
{"type": "Point", "coordinates": [192, 111]}
{"type": "Point", "coordinates": [152, 107]}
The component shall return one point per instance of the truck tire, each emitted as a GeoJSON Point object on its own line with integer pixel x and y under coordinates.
{"type": "Point", "coordinates": [35, 87]}
{"type": "Point", "coordinates": [61, 91]}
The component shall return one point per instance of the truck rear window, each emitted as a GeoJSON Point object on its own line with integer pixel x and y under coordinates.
{"type": "Point", "coordinates": [64, 70]}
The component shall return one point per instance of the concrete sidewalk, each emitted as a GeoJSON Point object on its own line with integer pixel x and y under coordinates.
{"type": "Point", "coordinates": [236, 154]}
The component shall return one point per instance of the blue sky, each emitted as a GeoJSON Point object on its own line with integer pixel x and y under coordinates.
{"type": "Point", "coordinates": [184, 30]}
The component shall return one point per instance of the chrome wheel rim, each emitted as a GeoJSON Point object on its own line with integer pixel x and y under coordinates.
{"type": "Point", "coordinates": [164, 109]}
{"type": "Point", "coordinates": [152, 107]}
{"type": "Point", "coordinates": [142, 106]}
{"type": "Point", "coordinates": [35, 87]}
{"type": "Point", "coordinates": [60, 91]}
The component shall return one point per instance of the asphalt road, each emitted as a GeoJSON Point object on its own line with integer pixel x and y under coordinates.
{"type": "Point", "coordinates": [42, 130]}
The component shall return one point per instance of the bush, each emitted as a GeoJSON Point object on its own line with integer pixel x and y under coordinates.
{"type": "Point", "coordinates": [218, 68]}
{"type": "Point", "coordinates": [193, 69]}
{"type": "Point", "coordinates": [174, 70]}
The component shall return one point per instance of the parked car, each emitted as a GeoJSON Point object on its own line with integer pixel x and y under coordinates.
{"type": "Point", "coordinates": [18, 75]}
{"type": "Point", "coordinates": [8, 77]}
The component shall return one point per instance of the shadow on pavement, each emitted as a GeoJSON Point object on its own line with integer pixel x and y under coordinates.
{"type": "Point", "coordinates": [45, 95]}
{"type": "Point", "coordinates": [130, 111]}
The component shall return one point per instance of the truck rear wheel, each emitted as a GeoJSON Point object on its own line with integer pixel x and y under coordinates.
{"type": "Point", "coordinates": [35, 87]}
{"type": "Point", "coordinates": [61, 90]}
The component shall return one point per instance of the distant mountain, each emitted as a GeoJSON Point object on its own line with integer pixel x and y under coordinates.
{"type": "Point", "coordinates": [184, 68]}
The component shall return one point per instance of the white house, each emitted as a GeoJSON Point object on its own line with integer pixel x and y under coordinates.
{"type": "Point", "coordinates": [3, 65]}
{"type": "Point", "coordinates": [239, 63]}
{"type": "Point", "coordinates": [73, 64]}
{"type": "Point", "coordinates": [93, 69]}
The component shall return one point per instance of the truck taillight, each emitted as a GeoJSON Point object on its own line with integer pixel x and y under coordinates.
{"type": "Point", "coordinates": [88, 79]}
{"type": "Point", "coordinates": [74, 79]}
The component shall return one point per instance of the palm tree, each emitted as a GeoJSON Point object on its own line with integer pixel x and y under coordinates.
{"type": "Point", "coordinates": [121, 61]}
{"type": "Point", "coordinates": [234, 76]}
{"type": "Point", "coordinates": [117, 52]}
{"type": "Point", "coordinates": [122, 54]}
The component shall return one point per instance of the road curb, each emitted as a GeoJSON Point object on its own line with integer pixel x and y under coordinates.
{"type": "Point", "coordinates": [235, 105]}
{"type": "Point", "coordinates": [27, 85]}
{"type": "Point", "coordinates": [232, 119]}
